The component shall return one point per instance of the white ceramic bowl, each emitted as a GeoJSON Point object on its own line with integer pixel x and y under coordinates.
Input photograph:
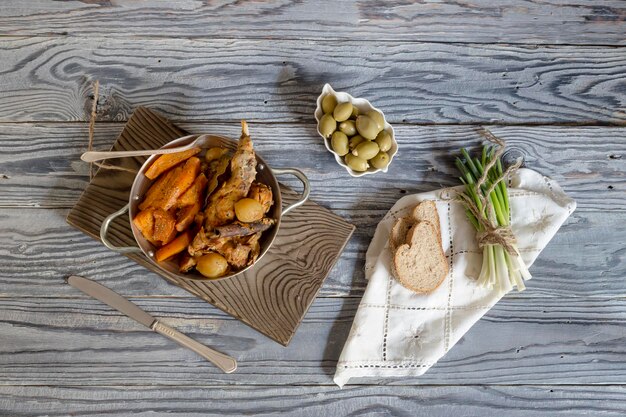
{"type": "Point", "coordinates": [364, 106]}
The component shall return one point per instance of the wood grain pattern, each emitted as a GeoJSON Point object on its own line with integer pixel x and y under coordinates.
{"type": "Point", "coordinates": [531, 21]}
{"type": "Point", "coordinates": [37, 249]}
{"type": "Point", "coordinates": [272, 297]}
{"type": "Point", "coordinates": [528, 340]}
{"type": "Point", "coordinates": [306, 401]}
{"type": "Point", "coordinates": [209, 64]}
{"type": "Point", "coordinates": [263, 80]}
{"type": "Point", "coordinates": [42, 163]}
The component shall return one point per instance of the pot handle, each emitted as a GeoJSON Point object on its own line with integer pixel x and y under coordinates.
{"type": "Point", "coordinates": [305, 182]}
{"type": "Point", "coordinates": [104, 229]}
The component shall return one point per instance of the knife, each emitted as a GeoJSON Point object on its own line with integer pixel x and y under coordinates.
{"type": "Point", "coordinates": [121, 304]}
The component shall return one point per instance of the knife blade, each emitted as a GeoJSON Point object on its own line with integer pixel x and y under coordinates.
{"type": "Point", "coordinates": [130, 309]}
{"type": "Point", "coordinates": [111, 298]}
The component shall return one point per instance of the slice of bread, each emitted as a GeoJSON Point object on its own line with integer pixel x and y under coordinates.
{"type": "Point", "coordinates": [427, 210]}
{"type": "Point", "coordinates": [420, 265]}
{"type": "Point", "coordinates": [399, 231]}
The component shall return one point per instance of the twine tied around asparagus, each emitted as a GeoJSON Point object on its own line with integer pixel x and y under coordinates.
{"type": "Point", "coordinates": [490, 233]}
{"type": "Point", "coordinates": [92, 126]}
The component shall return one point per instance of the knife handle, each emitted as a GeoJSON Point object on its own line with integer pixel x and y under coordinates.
{"type": "Point", "coordinates": [224, 362]}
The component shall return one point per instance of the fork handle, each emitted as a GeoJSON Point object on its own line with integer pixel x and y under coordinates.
{"type": "Point", "coordinates": [224, 362]}
{"type": "Point", "coordinates": [93, 156]}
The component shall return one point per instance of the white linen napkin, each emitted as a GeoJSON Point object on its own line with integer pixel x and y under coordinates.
{"type": "Point", "coordinates": [397, 332]}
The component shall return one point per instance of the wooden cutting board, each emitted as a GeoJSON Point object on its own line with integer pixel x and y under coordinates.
{"type": "Point", "coordinates": [274, 295]}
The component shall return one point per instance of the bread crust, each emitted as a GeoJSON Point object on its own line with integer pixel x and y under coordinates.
{"type": "Point", "coordinates": [399, 231]}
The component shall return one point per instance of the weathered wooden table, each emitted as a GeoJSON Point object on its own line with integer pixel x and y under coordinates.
{"type": "Point", "coordinates": [547, 76]}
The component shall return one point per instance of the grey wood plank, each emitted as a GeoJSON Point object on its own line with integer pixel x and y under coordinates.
{"type": "Point", "coordinates": [528, 340]}
{"type": "Point", "coordinates": [49, 79]}
{"type": "Point", "coordinates": [37, 249]}
{"type": "Point", "coordinates": [40, 166]}
{"type": "Point", "coordinates": [534, 21]}
{"type": "Point", "coordinates": [305, 401]}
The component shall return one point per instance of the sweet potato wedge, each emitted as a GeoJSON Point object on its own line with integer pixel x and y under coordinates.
{"type": "Point", "coordinates": [144, 220]}
{"type": "Point", "coordinates": [155, 192]}
{"type": "Point", "coordinates": [195, 193]}
{"type": "Point", "coordinates": [186, 215]}
{"type": "Point", "coordinates": [171, 237]}
{"type": "Point", "coordinates": [175, 247]}
{"type": "Point", "coordinates": [164, 226]}
{"type": "Point", "coordinates": [165, 162]}
{"type": "Point", "coordinates": [180, 181]}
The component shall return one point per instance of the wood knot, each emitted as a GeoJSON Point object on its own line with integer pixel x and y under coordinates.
{"type": "Point", "coordinates": [511, 155]}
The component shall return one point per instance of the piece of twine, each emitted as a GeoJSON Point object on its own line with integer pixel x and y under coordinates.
{"type": "Point", "coordinates": [92, 127]}
{"type": "Point", "coordinates": [490, 233]}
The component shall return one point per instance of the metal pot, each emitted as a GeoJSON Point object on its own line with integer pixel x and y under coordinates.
{"type": "Point", "coordinates": [141, 184]}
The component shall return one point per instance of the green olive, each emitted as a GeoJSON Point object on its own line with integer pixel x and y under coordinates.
{"type": "Point", "coordinates": [212, 265]}
{"type": "Point", "coordinates": [366, 150]}
{"type": "Point", "coordinates": [348, 127]}
{"type": "Point", "coordinates": [339, 142]}
{"type": "Point", "coordinates": [356, 163]}
{"type": "Point", "coordinates": [367, 127]}
{"type": "Point", "coordinates": [380, 161]}
{"type": "Point", "coordinates": [355, 112]}
{"type": "Point", "coordinates": [384, 140]}
{"type": "Point", "coordinates": [342, 111]}
{"type": "Point", "coordinates": [355, 140]}
{"type": "Point", "coordinates": [328, 103]}
{"type": "Point", "coordinates": [327, 125]}
{"type": "Point", "coordinates": [378, 118]}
